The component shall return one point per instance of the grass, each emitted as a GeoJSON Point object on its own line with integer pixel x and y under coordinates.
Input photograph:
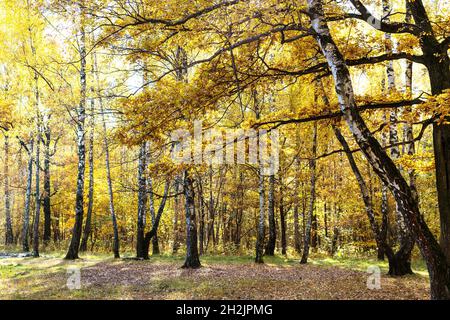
{"type": "Point", "coordinates": [221, 277]}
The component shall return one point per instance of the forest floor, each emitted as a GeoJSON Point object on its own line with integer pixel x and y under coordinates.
{"type": "Point", "coordinates": [221, 277]}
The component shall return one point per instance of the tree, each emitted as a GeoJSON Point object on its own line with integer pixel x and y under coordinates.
{"type": "Point", "coordinates": [381, 163]}
{"type": "Point", "coordinates": [72, 252]}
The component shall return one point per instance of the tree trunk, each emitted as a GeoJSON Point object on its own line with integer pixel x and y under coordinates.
{"type": "Point", "coordinates": [47, 190]}
{"type": "Point", "coordinates": [37, 213]}
{"type": "Point", "coordinates": [26, 214]}
{"type": "Point", "coordinates": [155, 243]}
{"type": "Point", "coordinates": [381, 163]}
{"type": "Point", "coordinates": [176, 233]}
{"type": "Point", "coordinates": [405, 237]}
{"type": "Point", "coordinates": [282, 222]}
{"type": "Point", "coordinates": [437, 62]}
{"type": "Point", "coordinates": [202, 216]}
{"type": "Point", "coordinates": [74, 246]}
{"type": "Point", "coordinates": [142, 200]}
{"type": "Point", "coordinates": [192, 258]}
{"type": "Point", "coordinates": [87, 226]}
{"type": "Point", "coordinates": [116, 242]}
{"type": "Point", "coordinates": [270, 247]}
{"type": "Point", "coordinates": [312, 167]}
{"type": "Point", "coordinates": [9, 237]}
{"type": "Point", "coordinates": [149, 235]}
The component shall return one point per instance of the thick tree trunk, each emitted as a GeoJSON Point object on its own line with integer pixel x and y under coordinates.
{"type": "Point", "coordinates": [437, 62]}
{"type": "Point", "coordinates": [270, 247]}
{"type": "Point", "coordinates": [312, 168]}
{"type": "Point", "coordinates": [192, 258]}
{"type": "Point", "coordinates": [381, 163]}
{"type": "Point", "coordinates": [9, 236]}
{"type": "Point", "coordinates": [26, 214]}
{"type": "Point", "coordinates": [441, 139]}
{"type": "Point", "coordinates": [87, 225]}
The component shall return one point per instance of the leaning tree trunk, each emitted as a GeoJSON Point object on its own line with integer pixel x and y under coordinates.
{"type": "Point", "coordinates": [155, 242]}
{"type": "Point", "coordinates": [149, 235]}
{"type": "Point", "coordinates": [383, 165]}
{"type": "Point", "coordinates": [192, 258]}
{"type": "Point", "coordinates": [399, 263]}
{"type": "Point", "coordinates": [312, 168]}
{"type": "Point", "coordinates": [9, 238]}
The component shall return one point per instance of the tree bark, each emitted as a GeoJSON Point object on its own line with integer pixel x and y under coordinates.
{"type": "Point", "coordinates": [87, 226]}
{"type": "Point", "coordinates": [270, 247]}
{"type": "Point", "coordinates": [402, 263]}
{"type": "Point", "coordinates": [176, 233]}
{"type": "Point", "coordinates": [282, 222]}
{"type": "Point", "coordinates": [37, 213]}
{"type": "Point", "coordinates": [192, 258]}
{"type": "Point", "coordinates": [381, 163]}
{"type": "Point", "coordinates": [142, 201]}
{"type": "Point", "coordinates": [9, 237]}
{"type": "Point", "coordinates": [312, 168]}
{"type": "Point", "coordinates": [260, 229]}
{"type": "Point", "coordinates": [149, 235]}
{"type": "Point", "coordinates": [155, 243]}
{"type": "Point", "coordinates": [26, 214]}
{"type": "Point", "coordinates": [47, 191]}
{"type": "Point", "coordinates": [74, 246]}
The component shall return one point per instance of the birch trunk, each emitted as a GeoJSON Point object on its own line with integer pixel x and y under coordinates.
{"type": "Point", "coordinates": [81, 149]}
{"type": "Point", "coordinates": [9, 237]}
{"type": "Point", "coordinates": [46, 196]}
{"type": "Point", "coordinates": [87, 226]}
{"type": "Point", "coordinates": [142, 201]}
{"type": "Point", "coordinates": [26, 214]}
{"type": "Point", "coordinates": [381, 163]}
